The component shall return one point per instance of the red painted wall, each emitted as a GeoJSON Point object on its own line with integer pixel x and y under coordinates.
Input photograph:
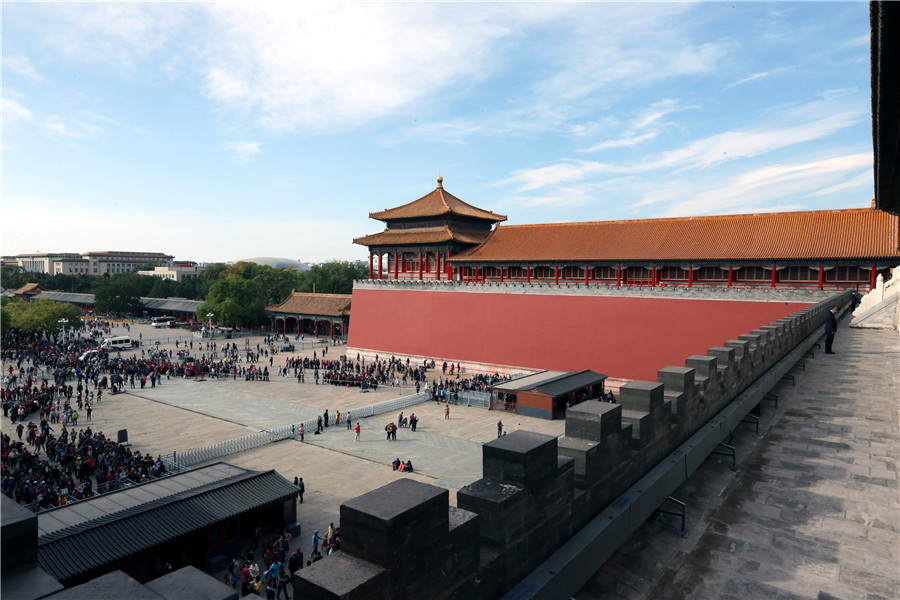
{"type": "Point", "coordinates": [629, 338]}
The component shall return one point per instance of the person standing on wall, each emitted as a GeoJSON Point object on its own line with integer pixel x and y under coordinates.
{"type": "Point", "coordinates": [830, 329]}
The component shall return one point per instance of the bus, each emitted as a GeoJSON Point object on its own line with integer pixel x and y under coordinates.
{"type": "Point", "coordinates": [161, 322]}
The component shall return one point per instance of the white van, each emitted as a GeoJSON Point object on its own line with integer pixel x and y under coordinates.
{"type": "Point", "coordinates": [117, 343]}
{"type": "Point", "coordinates": [90, 355]}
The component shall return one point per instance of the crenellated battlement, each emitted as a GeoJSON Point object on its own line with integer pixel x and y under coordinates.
{"type": "Point", "coordinates": [538, 491]}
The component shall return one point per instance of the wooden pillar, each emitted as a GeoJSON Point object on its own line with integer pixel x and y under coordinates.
{"type": "Point", "coordinates": [437, 266]}
{"type": "Point", "coordinates": [690, 276]}
{"type": "Point", "coordinates": [420, 265]}
{"type": "Point", "coordinates": [821, 276]}
{"type": "Point", "coordinates": [483, 275]}
{"type": "Point", "coordinates": [730, 276]}
{"type": "Point", "coordinates": [585, 275]}
{"type": "Point", "coordinates": [618, 276]}
{"type": "Point", "coordinates": [872, 278]}
{"type": "Point", "coordinates": [774, 275]}
{"type": "Point", "coordinates": [501, 273]}
{"type": "Point", "coordinates": [653, 277]}
{"type": "Point", "coordinates": [449, 266]}
{"type": "Point", "coordinates": [370, 265]}
{"type": "Point", "coordinates": [380, 272]}
{"type": "Point", "coordinates": [396, 265]}
{"type": "Point", "coordinates": [528, 273]}
{"type": "Point", "coordinates": [557, 274]}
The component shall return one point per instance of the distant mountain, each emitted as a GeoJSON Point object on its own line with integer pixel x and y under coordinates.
{"type": "Point", "coordinates": [279, 263]}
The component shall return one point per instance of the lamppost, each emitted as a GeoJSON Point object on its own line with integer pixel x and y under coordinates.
{"type": "Point", "coordinates": [210, 316]}
{"type": "Point", "coordinates": [64, 322]}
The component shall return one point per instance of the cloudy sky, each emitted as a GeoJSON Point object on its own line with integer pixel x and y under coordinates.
{"type": "Point", "coordinates": [220, 131]}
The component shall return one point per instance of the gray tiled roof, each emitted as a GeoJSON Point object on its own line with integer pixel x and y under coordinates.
{"type": "Point", "coordinates": [174, 305]}
{"type": "Point", "coordinates": [110, 538]}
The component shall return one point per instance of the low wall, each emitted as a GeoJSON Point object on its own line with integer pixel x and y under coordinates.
{"type": "Point", "coordinates": [538, 491]}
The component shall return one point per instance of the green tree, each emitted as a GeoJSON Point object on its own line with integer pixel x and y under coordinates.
{"type": "Point", "coordinates": [334, 277]}
{"type": "Point", "coordinates": [276, 284]}
{"type": "Point", "coordinates": [234, 303]}
{"type": "Point", "coordinates": [13, 277]}
{"type": "Point", "coordinates": [42, 316]}
{"type": "Point", "coordinates": [118, 296]}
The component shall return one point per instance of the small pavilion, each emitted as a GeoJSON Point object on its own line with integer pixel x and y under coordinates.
{"type": "Point", "coordinates": [312, 314]}
{"type": "Point", "coordinates": [546, 394]}
{"type": "Point", "coordinates": [421, 237]}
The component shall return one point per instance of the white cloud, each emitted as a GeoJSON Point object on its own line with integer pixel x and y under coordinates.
{"type": "Point", "coordinates": [245, 151]}
{"type": "Point", "coordinates": [13, 111]}
{"type": "Point", "coordinates": [633, 140]}
{"type": "Point", "coordinates": [55, 124]}
{"type": "Point", "coordinates": [22, 65]}
{"type": "Point", "coordinates": [747, 79]}
{"type": "Point", "coordinates": [317, 67]}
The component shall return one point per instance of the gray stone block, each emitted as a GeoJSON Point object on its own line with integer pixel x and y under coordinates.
{"type": "Point", "coordinates": [644, 396]}
{"type": "Point", "coordinates": [341, 577]}
{"type": "Point", "coordinates": [112, 586]}
{"type": "Point", "coordinates": [676, 379]}
{"type": "Point", "coordinates": [724, 356]}
{"type": "Point", "coordinates": [18, 536]}
{"type": "Point", "coordinates": [741, 348]}
{"type": "Point", "coordinates": [593, 420]}
{"type": "Point", "coordinates": [522, 458]}
{"type": "Point", "coordinates": [190, 583]}
{"type": "Point", "coordinates": [386, 526]}
{"type": "Point", "coordinates": [705, 366]}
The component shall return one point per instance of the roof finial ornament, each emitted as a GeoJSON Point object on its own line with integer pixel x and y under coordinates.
{"type": "Point", "coordinates": [440, 182]}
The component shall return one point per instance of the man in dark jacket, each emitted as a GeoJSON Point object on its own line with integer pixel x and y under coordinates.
{"type": "Point", "coordinates": [830, 329]}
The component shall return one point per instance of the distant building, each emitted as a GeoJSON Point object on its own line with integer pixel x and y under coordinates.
{"type": "Point", "coordinates": [177, 272]}
{"type": "Point", "coordinates": [87, 263]}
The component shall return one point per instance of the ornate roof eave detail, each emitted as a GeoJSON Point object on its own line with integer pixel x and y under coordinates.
{"type": "Point", "coordinates": [437, 203]}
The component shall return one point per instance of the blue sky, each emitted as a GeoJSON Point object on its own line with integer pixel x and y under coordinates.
{"type": "Point", "coordinates": [223, 131]}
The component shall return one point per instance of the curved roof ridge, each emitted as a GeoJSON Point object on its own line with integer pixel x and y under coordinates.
{"type": "Point", "coordinates": [434, 203]}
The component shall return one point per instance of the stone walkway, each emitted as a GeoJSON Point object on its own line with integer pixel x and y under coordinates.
{"type": "Point", "coordinates": [813, 511]}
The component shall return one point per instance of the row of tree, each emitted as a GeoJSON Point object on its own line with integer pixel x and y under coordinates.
{"type": "Point", "coordinates": [236, 294]}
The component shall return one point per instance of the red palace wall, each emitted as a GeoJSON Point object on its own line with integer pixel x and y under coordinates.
{"type": "Point", "coordinates": [628, 338]}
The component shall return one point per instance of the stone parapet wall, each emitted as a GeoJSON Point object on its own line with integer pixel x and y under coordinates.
{"type": "Point", "coordinates": [537, 491]}
{"type": "Point", "coordinates": [697, 292]}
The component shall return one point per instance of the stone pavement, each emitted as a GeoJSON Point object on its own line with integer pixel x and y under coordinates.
{"type": "Point", "coordinates": [813, 511]}
{"type": "Point", "coordinates": [183, 413]}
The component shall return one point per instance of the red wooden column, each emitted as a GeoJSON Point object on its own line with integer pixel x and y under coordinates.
{"type": "Point", "coordinates": [821, 276]}
{"type": "Point", "coordinates": [420, 265]}
{"type": "Point", "coordinates": [872, 279]}
{"type": "Point", "coordinates": [483, 274]}
{"type": "Point", "coordinates": [396, 265]}
{"type": "Point", "coordinates": [528, 274]}
{"type": "Point", "coordinates": [449, 266]}
{"type": "Point", "coordinates": [774, 275]}
{"type": "Point", "coordinates": [653, 277]}
{"type": "Point", "coordinates": [730, 276]}
{"type": "Point", "coordinates": [557, 274]}
{"type": "Point", "coordinates": [501, 273]}
{"type": "Point", "coordinates": [370, 265]}
{"type": "Point", "coordinates": [380, 272]}
{"type": "Point", "coordinates": [585, 275]}
{"type": "Point", "coordinates": [690, 276]}
{"type": "Point", "coordinates": [437, 266]}
{"type": "Point", "coordinates": [618, 276]}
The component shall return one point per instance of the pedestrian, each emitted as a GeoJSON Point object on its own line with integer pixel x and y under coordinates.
{"type": "Point", "coordinates": [357, 428]}
{"type": "Point", "coordinates": [446, 411]}
{"type": "Point", "coordinates": [499, 428]}
{"type": "Point", "coordinates": [830, 329]}
{"type": "Point", "coordinates": [348, 420]}
{"type": "Point", "coordinates": [302, 488]}
{"type": "Point", "coordinates": [283, 581]}
{"type": "Point", "coordinates": [413, 420]}
{"type": "Point", "coordinates": [302, 431]}
{"type": "Point", "coordinates": [316, 541]}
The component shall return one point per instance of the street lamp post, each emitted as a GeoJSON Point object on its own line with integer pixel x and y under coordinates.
{"type": "Point", "coordinates": [210, 316]}
{"type": "Point", "coordinates": [64, 322]}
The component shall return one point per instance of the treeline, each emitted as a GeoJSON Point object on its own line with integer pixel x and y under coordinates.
{"type": "Point", "coordinates": [237, 294]}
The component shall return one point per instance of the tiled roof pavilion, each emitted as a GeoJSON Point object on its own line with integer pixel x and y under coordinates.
{"type": "Point", "coordinates": [436, 203]}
